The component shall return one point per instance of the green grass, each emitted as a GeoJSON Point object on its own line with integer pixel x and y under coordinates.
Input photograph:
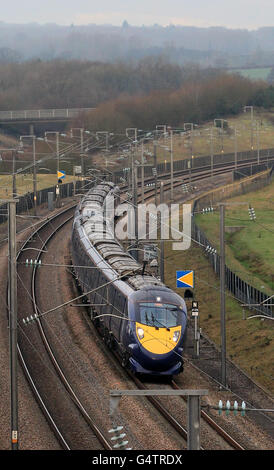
{"type": "Point", "coordinates": [249, 342]}
{"type": "Point", "coordinates": [249, 251]}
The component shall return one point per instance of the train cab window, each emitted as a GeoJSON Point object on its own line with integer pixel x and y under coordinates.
{"type": "Point", "coordinates": [160, 315]}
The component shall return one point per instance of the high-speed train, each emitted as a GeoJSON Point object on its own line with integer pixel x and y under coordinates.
{"type": "Point", "coordinates": [144, 321]}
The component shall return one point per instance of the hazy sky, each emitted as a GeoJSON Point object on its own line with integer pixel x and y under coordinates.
{"type": "Point", "coordinates": [249, 14]}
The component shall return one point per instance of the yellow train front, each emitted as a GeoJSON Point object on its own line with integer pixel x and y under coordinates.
{"type": "Point", "coordinates": [156, 333]}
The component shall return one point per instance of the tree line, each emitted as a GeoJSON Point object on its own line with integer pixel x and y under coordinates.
{"type": "Point", "coordinates": [195, 101]}
{"type": "Point", "coordinates": [130, 95]}
{"type": "Point", "coordinates": [73, 84]}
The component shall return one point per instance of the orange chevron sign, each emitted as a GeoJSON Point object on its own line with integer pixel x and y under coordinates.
{"type": "Point", "coordinates": [61, 175]}
{"type": "Point", "coordinates": [185, 279]}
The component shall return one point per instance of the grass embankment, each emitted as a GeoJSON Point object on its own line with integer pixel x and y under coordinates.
{"type": "Point", "coordinates": [223, 142]}
{"type": "Point", "coordinates": [249, 342]}
{"type": "Point", "coordinates": [250, 249]}
{"type": "Point", "coordinates": [7, 141]}
{"type": "Point", "coordinates": [186, 146]}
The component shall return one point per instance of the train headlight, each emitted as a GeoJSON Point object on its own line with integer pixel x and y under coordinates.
{"type": "Point", "coordinates": [140, 332]}
{"type": "Point", "coordinates": [176, 335]}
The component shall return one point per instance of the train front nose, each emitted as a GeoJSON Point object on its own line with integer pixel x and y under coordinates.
{"type": "Point", "coordinates": [158, 340]}
{"type": "Point", "coordinates": [157, 346]}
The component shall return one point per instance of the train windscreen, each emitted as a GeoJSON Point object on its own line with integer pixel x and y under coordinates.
{"type": "Point", "coordinates": [160, 315]}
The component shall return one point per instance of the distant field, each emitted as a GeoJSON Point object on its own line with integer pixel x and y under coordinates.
{"type": "Point", "coordinates": [249, 251]}
{"type": "Point", "coordinates": [24, 183]}
{"type": "Point", "coordinates": [185, 147]}
{"type": "Point", "coordinates": [254, 74]}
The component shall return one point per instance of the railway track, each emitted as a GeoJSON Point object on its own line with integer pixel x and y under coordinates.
{"type": "Point", "coordinates": [43, 236]}
{"type": "Point", "coordinates": [242, 387]}
{"type": "Point", "coordinates": [201, 173]}
{"type": "Point", "coordinates": [229, 439]}
{"type": "Point", "coordinates": [35, 246]}
{"type": "Point", "coordinates": [179, 428]}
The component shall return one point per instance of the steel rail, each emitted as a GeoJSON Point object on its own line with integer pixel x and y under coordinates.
{"type": "Point", "coordinates": [57, 366]}
{"type": "Point", "coordinates": [41, 403]}
{"type": "Point", "coordinates": [160, 407]}
{"type": "Point", "coordinates": [27, 372]}
{"type": "Point", "coordinates": [164, 412]}
{"type": "Point", "coordinates": [147, 191]}
{"type": "Point", "coordinates": [229, 439]}
{"type": "Point", "coordinates": [207, 171]}
{"type": "Point", "coordinates": [73, 396]}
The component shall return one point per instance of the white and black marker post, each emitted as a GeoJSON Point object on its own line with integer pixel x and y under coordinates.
{"type": "Point", "coordinates": [195, 315]}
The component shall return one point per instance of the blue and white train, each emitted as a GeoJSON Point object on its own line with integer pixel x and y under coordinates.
{"type": "Point", "coordinates": [140, 318]}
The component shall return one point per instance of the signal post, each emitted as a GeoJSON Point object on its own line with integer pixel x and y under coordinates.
{"type": "Point", "coordinates": [12, 306]}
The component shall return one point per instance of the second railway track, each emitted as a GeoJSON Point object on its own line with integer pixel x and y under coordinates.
{"type": "Point", "coordinates": [52, 394]}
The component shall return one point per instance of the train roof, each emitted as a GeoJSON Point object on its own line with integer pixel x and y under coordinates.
{"type": "Point", "coordinates": [89, 213]}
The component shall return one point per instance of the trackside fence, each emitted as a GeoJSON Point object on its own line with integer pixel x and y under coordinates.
{"type": "Point", "coordinates": [241, 290]}
{"type": "Point", "coordinates": [207, 162]}
{"type": "Point", "coordinates": [26, 202]}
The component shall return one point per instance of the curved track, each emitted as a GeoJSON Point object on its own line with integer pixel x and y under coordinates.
{"type": "Point", "coordinates": [35, 247]}
{"type": "Point", "coordinates": [43, 234]}
{"type": "Point", "coordinates": [174, 422]}
{"type": "Point", "coordinates": [204, 172]}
